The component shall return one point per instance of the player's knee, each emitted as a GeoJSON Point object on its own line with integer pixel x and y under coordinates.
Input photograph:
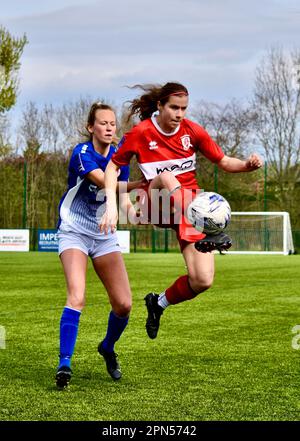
{"type": "Point", "coordinates": [122, 309]}
{"type": "Point", "coordinates": [200, 283]}
{"type": "Point", "coordinates": [76, 301]}
{"type": "Point", "coordinates": [167, 179]}
{"type": "Point", "coordinates": [165, 176]}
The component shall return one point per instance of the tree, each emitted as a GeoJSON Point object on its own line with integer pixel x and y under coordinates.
{"type": "Point", "coordinates": [231, 126]}
{"type": "Point", "coordinates": [11, 50]}
{"type": "Point", "coordinates": [70, 120]}
{"type": "Point", "coordinates": [277, 106]}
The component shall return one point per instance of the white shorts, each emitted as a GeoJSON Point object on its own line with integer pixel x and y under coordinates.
{"type": "Point", "coordinates": [91, 247]}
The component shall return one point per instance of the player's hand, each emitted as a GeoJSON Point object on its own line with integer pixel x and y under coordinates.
{"type": "Point", "coordinates": [140, 184]}
{"type": "Point", "coordinates": [254, 162]}
{"type": "Point", "coordinates": [109, 219]}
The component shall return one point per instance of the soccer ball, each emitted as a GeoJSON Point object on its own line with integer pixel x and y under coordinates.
{"type": "Point", "coordinates": [209, 213]}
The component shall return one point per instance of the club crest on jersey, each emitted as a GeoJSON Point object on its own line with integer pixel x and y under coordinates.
{"type": "Point", "coordinates": [153, 145]}
{"type": "Point", "coordinates": [186, 142]}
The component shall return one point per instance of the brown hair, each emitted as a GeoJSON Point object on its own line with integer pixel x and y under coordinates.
{"type": "Point", "coordinates": [92, 116]}
{"type": "Point", "coordinates": [146, 104]}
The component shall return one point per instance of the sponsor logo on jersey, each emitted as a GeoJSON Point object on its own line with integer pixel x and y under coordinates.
{"type": "Point", "coordinates": [186, 142]}
{"type": "Point", "coordinates": [176, 167]}
{"type": "Point", "coordinates": [84, 148]}
{"type": "Point", "coordinates": [153, 145]}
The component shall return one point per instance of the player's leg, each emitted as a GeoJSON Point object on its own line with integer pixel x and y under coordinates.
{"type": "Point", "coordinates": [201, 269]}
{"type": "Point", "coordinates": [112, 272]}
{"type": "Point", "coordinates": [164, 180]}
{"type": "Point", "coordinates": [74, 262]}
{"type": "Point", "coordinates": [170, 183]}
{"type": "Point", "coordinates": [200, 277]}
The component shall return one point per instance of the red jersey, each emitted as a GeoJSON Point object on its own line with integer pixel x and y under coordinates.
{"type": "Point", "coordinates": [157, 151]}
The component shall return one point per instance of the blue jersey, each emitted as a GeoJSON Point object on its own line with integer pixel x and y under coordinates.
{"type": "Point", "coordinates": [83, 204]}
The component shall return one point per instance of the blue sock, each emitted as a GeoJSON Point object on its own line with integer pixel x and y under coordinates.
{"type": "Point", "coordinates": [68, 333]}
{"type": "Point", "coordinates": [115, 327]}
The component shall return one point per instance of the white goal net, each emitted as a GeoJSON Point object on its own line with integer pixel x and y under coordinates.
{"type": "Point", "coordinates": [260, 233]}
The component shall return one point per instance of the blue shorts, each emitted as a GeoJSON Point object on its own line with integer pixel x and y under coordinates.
{"type": "Point", "coordinates": [89, 246]}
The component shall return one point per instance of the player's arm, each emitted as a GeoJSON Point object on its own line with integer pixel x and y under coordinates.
{"type": "Point", "coordinates": [235, 165]}
{"type": "Point", "coordinates": [120, 158]}
{"type": "Point", "coordinates": [110, 217]}
{"type": "Point", "coordinates": [97, 177]}
{"type": "Point", "coordinates": [126, 206]}
{"type": "Point", "coordinates": [142, 183]}
{"type": "Point", "coordinates": [214, 153]}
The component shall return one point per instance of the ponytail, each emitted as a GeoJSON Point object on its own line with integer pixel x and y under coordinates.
{"type": "Point", "coordinates": [145, 105]}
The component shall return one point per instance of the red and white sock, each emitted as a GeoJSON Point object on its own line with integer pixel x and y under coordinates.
{"type": "Point", "coordinates": [180, 291]}
{"type": "Point", "coordinates": [162, 300]}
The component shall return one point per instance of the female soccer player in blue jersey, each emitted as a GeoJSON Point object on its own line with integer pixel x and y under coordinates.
{"type": "Point", "coordinates": [80, 212]}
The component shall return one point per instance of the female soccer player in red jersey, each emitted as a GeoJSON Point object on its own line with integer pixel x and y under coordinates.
{"type": "Point", "coordinates": [165, 145]}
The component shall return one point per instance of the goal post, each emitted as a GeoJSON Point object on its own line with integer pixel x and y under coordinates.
{"type": "Point", "coordinates": [260, 232]}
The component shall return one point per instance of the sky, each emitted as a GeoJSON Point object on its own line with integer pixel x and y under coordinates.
{"type": "Point", "coordinates": [91, 48]}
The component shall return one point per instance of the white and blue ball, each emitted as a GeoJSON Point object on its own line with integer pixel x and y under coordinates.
{"type": "Point", "coordinates": [209, 213]}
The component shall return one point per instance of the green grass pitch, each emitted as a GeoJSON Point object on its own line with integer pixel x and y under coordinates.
{"type": "Point", "coordinates": [226, 355]}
